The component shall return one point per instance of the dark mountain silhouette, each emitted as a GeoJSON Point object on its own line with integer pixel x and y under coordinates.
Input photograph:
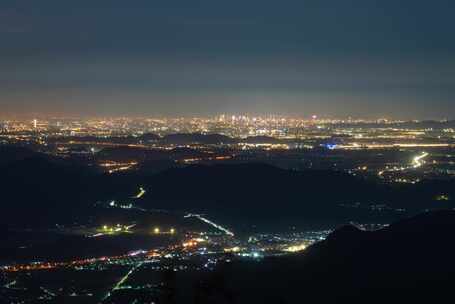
{"type": "Point", "coordinates": [196, 138]}
{"type": "Point", "coordinates": [214, 139]}
{"type": "Point", "coordinates": [243, 193]}
{"type": "Point", "coordinates": [143, 154]}
{"type": "Point", "coordinates": [261, 140]}
{"type": "Point", "coordinates": [131, 154]}
{"type": "Point", "coordinates": [149, 137]}
{"type": "Point", "coordinates": [261, 194]}
{"type": "Point", "coordinates": [144, 138]}
{"type": "Point", "coordinates": [254, 181]}
{"type": "Point", "coordinates": [410, 261]}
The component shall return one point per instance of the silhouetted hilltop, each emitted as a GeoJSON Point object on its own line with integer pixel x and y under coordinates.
{"type": "Point", "coordinates": [214, 139]}
{"type": "Point", "coordinates": [255, 190]}
{"type": "Point", "coordinates": [402, 245]}
{"type": "Point", "coordinates": [265, 186]}
{"type": "Point", "coordinates": [130, 154]}
{"type": "Point", "coordinates": [196, 138]}
{"type": "Point", "coordinates": [252, 179]}
{"type": "Point", "coordinates": [143, 154]}
{"type": "Point", "coordinates": [149, 137]}
{"type": "Point", "coordinates": [261, 140]}
{"type": "Point", "coordinates": [410, 261]}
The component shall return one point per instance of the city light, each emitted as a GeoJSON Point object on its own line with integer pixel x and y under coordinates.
{"type": "Point", "coordinates": [233, 249]}
{"type": "Point", "coordinates": [190, 243]}
{"type": "Point", "coordinates": [295, 248]}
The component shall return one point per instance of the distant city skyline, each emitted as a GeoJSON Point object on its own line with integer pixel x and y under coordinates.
{"type": "Point", "coordinates": [307, 117]}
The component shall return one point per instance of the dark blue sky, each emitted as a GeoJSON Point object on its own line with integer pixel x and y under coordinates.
{"type": "Point", "coordinates": [343, 57]}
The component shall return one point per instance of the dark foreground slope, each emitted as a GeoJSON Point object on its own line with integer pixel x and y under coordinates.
{"type": "Point", "coordinates": [408, 262]}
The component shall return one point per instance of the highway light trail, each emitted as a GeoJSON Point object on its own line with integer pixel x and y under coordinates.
{"type": "Point", "coordinates": [122, 280]}
{"type": "Point", "coordinates": [49, 293]}
{"type": "Point", "coordinates": [10, 284]}
{"type": "Point", "coordinates": [141, 193]}
{"type": "Point", "coordinates": [205, 220]}
{"type": "Point", "coordinates": [418, 160]}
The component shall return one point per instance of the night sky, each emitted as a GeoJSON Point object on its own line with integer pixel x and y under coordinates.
{"type": "Point", "coordinates": [365, 58]}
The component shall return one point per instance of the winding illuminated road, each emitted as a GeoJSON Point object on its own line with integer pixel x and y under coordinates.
{"type": "Point", "coordinates": [417, 162]}
{"type": "Point", "coordinates": [207, 221]}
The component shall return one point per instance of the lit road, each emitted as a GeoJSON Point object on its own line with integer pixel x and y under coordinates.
{"type": "Point", "coordinates": [122, 280]}
{"type": "Point", "coordinates": [48, 292]}
{"type": "Point", "coordinates": [417, 162]}
{"type": "Point", "coordinates": [141, 193]}
{"type": "Point", "coordinates": [207, 221]}
{"type": "Point", "coordinates": [10, 284]}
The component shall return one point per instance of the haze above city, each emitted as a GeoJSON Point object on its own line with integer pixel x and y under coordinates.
{"type": "Point", "coordinates": [365, 59]}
